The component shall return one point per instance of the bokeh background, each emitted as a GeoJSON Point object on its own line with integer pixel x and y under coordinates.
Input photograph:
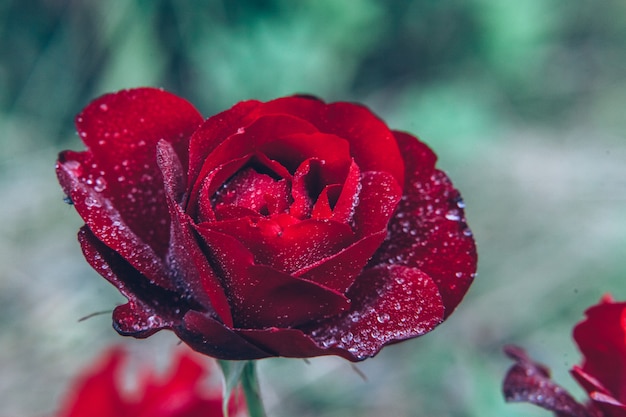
{"type": "Point", "coordinates": [523, 101]}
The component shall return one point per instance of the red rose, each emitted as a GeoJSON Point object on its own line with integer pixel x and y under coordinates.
{"type": "Point", "coordinates": [601, 339]}
{"type": "Point", "coordinates": [288, 228]}
{"type": "Point", "coordinates": [99, 392]}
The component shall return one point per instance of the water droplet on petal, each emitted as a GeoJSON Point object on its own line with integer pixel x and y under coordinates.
{"type": "Point", "coordinates": [383, 318]}
{"type": "Point", "coordinates": [453, 215]}
{"type": "Point", "coordinates": [104, 107]}
{"type": "Point", "coordinates": [101, 184]}
{"type": "Point", "coordinates": [91, 202]}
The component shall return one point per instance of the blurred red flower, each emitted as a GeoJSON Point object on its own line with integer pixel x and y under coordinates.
{"type": "Point", "coordinates": [287, 228]}
{"type": "Point", "coordinates": [100, 391]}
{"type": "Point", "coordinates": [601, 338]}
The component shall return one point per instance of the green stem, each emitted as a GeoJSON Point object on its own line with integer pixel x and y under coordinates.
{"type": "Point", "coordinates": [250, 385]}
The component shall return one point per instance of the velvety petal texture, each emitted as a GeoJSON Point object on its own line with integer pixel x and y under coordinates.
{"type": "Point", "coordinates": [287, 228]}
{"type": "Point", "coordinates": [100, 391]}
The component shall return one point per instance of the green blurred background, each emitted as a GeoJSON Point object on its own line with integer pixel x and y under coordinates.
{"type": "Point", "coordinates": [523, 101]}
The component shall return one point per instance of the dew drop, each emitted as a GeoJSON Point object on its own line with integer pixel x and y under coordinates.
{"type": "Point", "coordinates": [101, 184]}
{"type": "Point", "coordinates": [453, 215]}
{"type": "Point", "coordinates": [347, 338]}
{"type": "Point", "coordinates": [383, 318]}
{"type": "Point", "coordinates": [91, 202]}
{"type": "Point", "coordinates": [104, 107]}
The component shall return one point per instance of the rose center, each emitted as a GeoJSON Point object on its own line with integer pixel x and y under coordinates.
{"type": "Point", "coordinates": [255, 191]}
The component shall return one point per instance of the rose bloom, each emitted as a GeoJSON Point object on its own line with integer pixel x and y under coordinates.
{"type": "Point", "coordinates": [601, 339]}
{"type": "Point", "coordinates": [288, 228]}
{"type": "Point", "coordinates": [99, 391]}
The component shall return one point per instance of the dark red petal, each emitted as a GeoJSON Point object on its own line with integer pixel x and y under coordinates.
{"type": "Point", "coordinates": [214, 131]}
{"type": "Point", "coordinates": [264, 297]}
{"type": "Point", "coordinates": [302, 200]}
{"type": "Point", "coordinates": [255, 191]}
{"type": "Point", "coordinates": [371, 142]}
{"type": "Point", "coordinates": [285, 244]}
{"type": "Point", "coordinates": [377, 200]}
{"type": "Point", "coordinates": [322, 209]}
{"type": "Point", "coordinates": [150, 308]}
{"type": "Point", "coordinates": [428, 230]}
{"type": "Point", "coordinates": [249, 141]}
{"type": "Point", "coordinates": [601, 339]}
{"type": "Point", "coordinates": [349, 195]}
{"type": "Point", "coordinates": [389, 304]}
{"type": "Point", "coordinates": [209, 336]}
{"type": "Point", "coordinates": [528, 381]}
{"type": "Point", "coordinates": [290, 343]}
{"type": "Point", "coordinates": [96, 391]}
{"type": "Point", "coordinates": [291, 150]}
{"type": "Point", "coordinates": [106, 222]}
{"type": "Point", "coordinates": [200, 206]}
{"type": "Point", "coordinates": [610, 406]}
{"type": "Point", "coordinates": [187, 264]}
{"type": "Point", "coordinates": [121, 131]}
{"type": "Point", "coordinates": [341, 269]}
{"type": "Point", "coordinates": [588, 382]}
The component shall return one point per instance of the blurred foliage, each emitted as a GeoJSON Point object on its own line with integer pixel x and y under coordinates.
{"type": "Point", "coordinates": [522, 100]}
{"type": "Point", "coordinates": [490, 62]}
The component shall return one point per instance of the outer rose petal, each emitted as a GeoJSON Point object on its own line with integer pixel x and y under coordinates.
{"type": "Point", "coordinates": [121, 131]}
{"type": "Point", "coordinates": [212, 338]}
{"type": "Point", "coordinates": [600, 396]}
{"type": "Point", "coordinates": [389, 304]}
{"type": "Point", "coordinates": [428, 230]}
{"type": "Point", "coordinates": [602, 340]}
{"type": "Point", "coordinates": [187, 264]}
{"type": "Point", "coordinates": [528, 381]}
{"type": "Point", "coordinates": [150, 307]}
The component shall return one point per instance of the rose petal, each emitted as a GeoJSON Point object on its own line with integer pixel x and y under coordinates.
{"type": "Point", "coordinates": [250, 140]}
{"type": "Point", "coordinates": [340, 270]}
{"type": "Point", "coordinates": [213, 132]}
{"type": "Point", "coordinates": [428, 230]}
{"type": "Point", "coordinates": [208, 336]}
{"type": "Point", "coordinates": [121, 131]}
{"type": "Point", "coordinates": [601, 338]}
{"type": "Point", "coordinates": [187, 264]}
{"type": "Point", "coordinates": [349, 195]}
{"type": "Point", "coordinates": [200, 206]}
{"type": "Point", "coordinates": [378, 198]}
{"type": "Point", "coordinates": [528, 381]}
{"type": "Point", "coordinates": [263, 297]}
{"type": "Point", "coordinates": [290, 343]}
{"type": "Point", "coordinates": [389, 304]}
{"type": "Point", "coordinates": [284, 246]}
{"type": "Point", "coordinates": [150, 308]}
{"type": "Point", "coordinates": [331, 150]}
{"type": "Point", "coordinates": [371, 142]}
{"type": "Point", "coordinates": [96, 393]}
{"type": "Point", "coordinates": [106, 222]}
{"type": "Point", "coordinates": [610, 406]}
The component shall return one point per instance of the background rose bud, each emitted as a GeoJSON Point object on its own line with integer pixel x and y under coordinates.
{"type": "Point", "coordinates": [288, 228]}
